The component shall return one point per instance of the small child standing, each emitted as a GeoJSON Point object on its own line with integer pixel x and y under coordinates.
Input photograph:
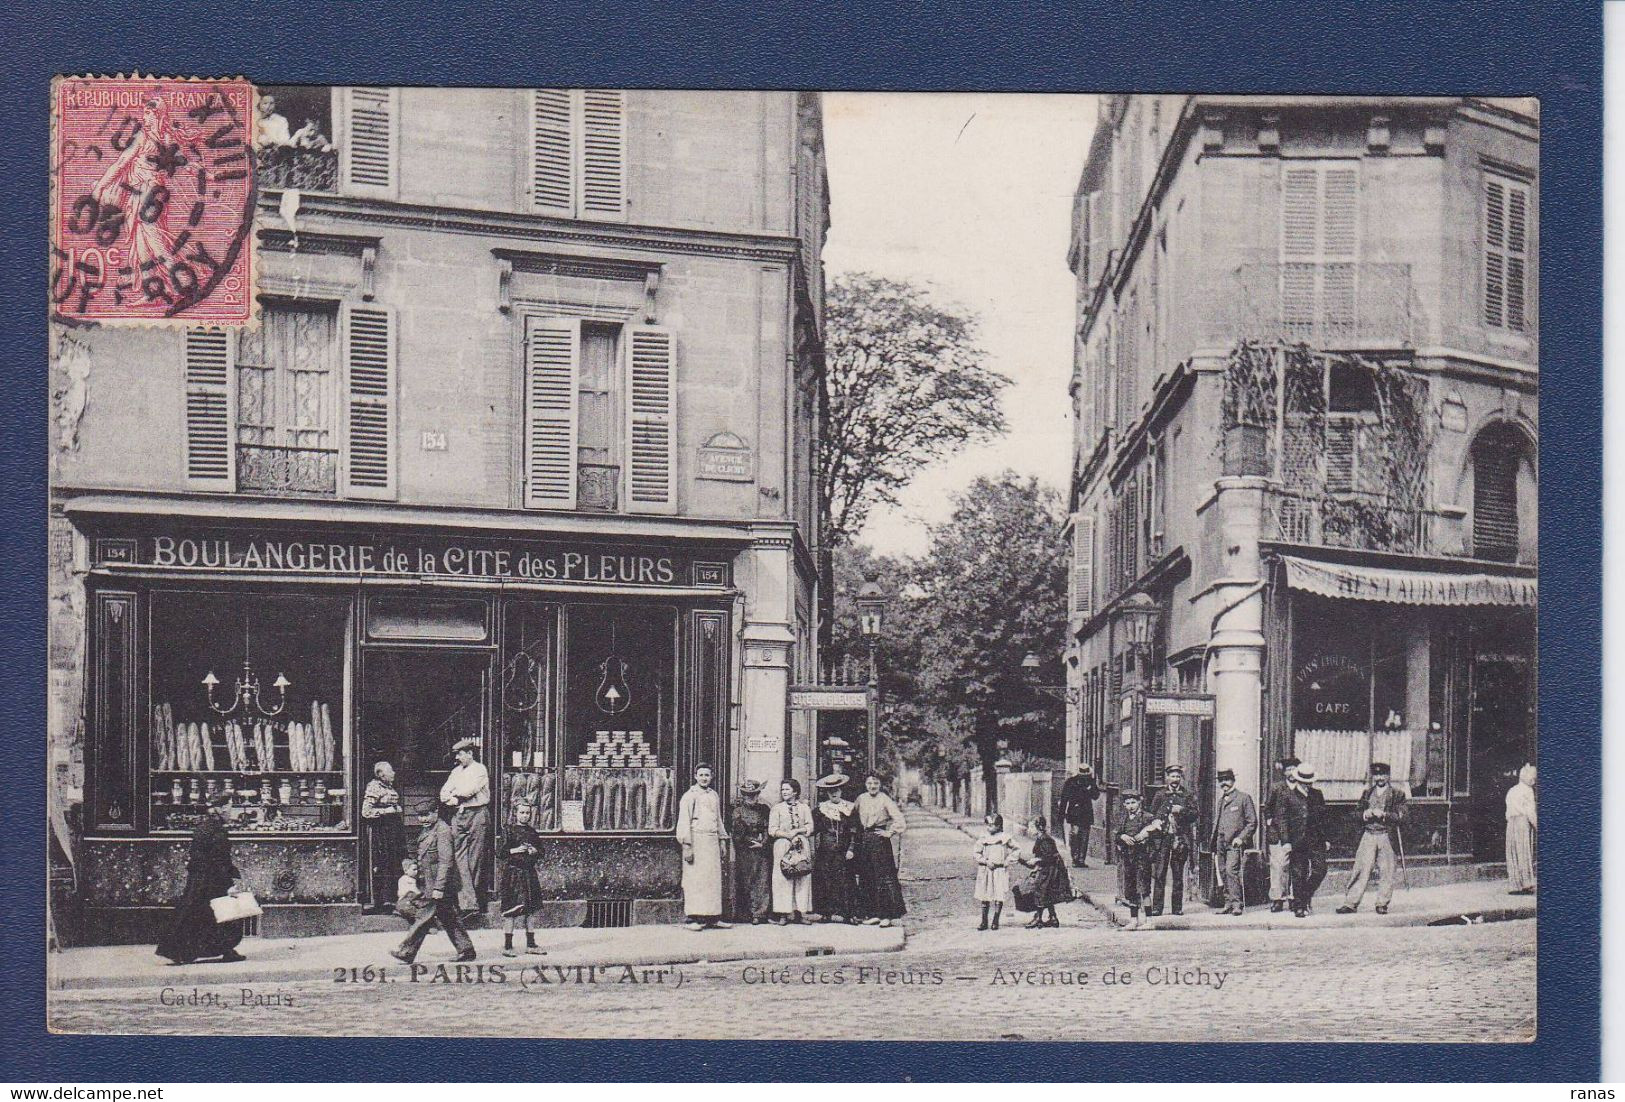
{"type": "Point", "coordinates": [408, 895]}
{"type": "Point", "coordinates": [993, 869]}
{"type": "Point", "coordinates": [519, 847]}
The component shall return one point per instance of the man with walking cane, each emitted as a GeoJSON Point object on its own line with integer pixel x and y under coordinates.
{"type": "Point", "coordinates": [1234, 821]}
{"type": "Point", "coordinates": [1382, 812]}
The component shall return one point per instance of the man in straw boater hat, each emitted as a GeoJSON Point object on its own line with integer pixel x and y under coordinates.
{"type": "Point", "coordinates": [468, 791]}
{"type": "Point", "coordinates": [1235, 820]}
{"type": "Point", "coordinates": [753, 855]}
{"type": "Point", "coordinates": [1304, 813]}
{"type": "Point", "coordinates": [1382, 812]}
{"type": "Point", "coordinates": [699, 829]}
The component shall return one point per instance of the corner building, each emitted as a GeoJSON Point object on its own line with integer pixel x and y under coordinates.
{"type": "Point", "coordinates": [521, 450]}
{"type": "Point", "coordinates": [1304, 477]}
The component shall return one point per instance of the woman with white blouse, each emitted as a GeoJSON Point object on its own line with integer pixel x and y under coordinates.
{"type": "Point", "coordinates": [791, 818]}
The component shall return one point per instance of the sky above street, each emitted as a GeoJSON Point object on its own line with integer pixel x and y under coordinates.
{"type": "Point", "coordinates": [969, 195]}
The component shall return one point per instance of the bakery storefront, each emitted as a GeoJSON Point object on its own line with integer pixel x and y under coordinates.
{"type": "Point", "coordinates": [279, 665]}
{"type": "Point", "coordinates": [1432, 672]}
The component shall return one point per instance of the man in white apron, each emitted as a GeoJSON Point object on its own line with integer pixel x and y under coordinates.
{"type": "Point", "coordinates": [699, 829]}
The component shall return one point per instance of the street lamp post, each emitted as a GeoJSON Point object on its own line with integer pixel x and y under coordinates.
{"type": "Point", "coordinates": [871, 602]}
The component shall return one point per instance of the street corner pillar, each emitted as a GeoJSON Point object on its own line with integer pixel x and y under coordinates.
{"type": "Point", "coordinates": [1236, 648]}
{"type": "Point", "coordinates": [767, 637]}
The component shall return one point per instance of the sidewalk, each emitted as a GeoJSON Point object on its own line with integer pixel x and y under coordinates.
{"type": "Point", "coordinates": [1466, 902]}
{"type": "Point", "coordinates": [291, 960]}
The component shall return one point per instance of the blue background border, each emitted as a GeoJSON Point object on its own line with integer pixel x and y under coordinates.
{"type": "Point", "coordinates": [1553, 50]}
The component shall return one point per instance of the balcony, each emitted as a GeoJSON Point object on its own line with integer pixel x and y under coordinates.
{"type": "Point", "coordinates": [1367, 522]}
{"type": "Point", "coordinates": [287, 472]}
{"type": "Point", "coordinates": [286, 166]}
{"type": "Point", "coordinates": [1326, 306]}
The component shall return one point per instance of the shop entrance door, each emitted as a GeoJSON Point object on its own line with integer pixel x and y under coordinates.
{"type": "Point", "coordinates": [1502, 740]}
{"type": "Point", "coordinates": [415, 704]}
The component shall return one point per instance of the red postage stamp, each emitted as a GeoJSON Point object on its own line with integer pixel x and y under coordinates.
{"type": "Point", "coordinates": [152, 201]}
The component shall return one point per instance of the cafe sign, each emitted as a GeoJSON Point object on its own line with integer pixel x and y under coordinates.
{"type": "Point", "coordinates": [475, 559]}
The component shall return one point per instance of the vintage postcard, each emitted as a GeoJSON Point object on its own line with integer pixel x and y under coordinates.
{"type": "Point", "coordinates": [561, 562]}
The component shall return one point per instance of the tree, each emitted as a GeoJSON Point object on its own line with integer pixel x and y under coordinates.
{"type": "Point", "coordinates": [906, 387]}
{"type": "Point", "coordinates": [990, 589]}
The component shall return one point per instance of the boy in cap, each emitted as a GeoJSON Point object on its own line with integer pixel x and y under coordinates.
{"type": "Point", "coordinates": [1136, 835]}
{"type": "Point", "coordinates": [1234, 821]}
{"type": "Point", "coordinates": [1382, 811]}
{"type": "Point", "coordinates": [1175, 808]}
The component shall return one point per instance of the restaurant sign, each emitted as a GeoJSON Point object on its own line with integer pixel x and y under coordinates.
{"type": "Point", "coordinates": [240, 552]}
{"type": "Point", "coordinates": [1408, 587]}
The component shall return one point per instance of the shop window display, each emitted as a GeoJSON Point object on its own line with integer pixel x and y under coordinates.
{"type": "Point", "coordinates": [247, 698]}
{"type": "Point", "coordinates": [619, 721]}
{"type": "Point", "coordinates": [530, 712]}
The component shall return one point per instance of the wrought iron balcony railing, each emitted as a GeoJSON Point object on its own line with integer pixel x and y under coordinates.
{"type": "Point", "coordinates": [1332, 306]}
{"type": "Point", "coordinates": [1362, 521]}
{"type": "Point", "coordinates": [287, 472]}
{"type": "Point", "coordinates": [285, 166]}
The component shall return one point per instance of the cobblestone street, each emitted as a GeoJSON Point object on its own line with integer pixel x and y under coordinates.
{"type": "Point", "coordinates": [1085, 981]}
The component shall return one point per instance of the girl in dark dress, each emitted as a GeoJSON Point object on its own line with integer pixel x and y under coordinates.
{"type": "Point", "coordinates": [521, 894]}
{"type": "Point", "coordinates": [193, 933]}
{"type": "Point", "coordinates": [835, 832]}
{"type": "Point", "coordinates": [1050, 882]}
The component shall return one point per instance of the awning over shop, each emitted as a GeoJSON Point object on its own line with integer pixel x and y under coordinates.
{"type": "Point", "coordinates": [1407, 587]}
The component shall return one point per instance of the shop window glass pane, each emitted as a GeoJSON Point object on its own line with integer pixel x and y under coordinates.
{"type": "Point", "coordinates": [286, 771]}
{"type": "Point", "coordinates": [526, 693]}
{"type": "Point", "coordinates": [1332, 693]}
{"type": "Point", "coordinates": [619, 719]}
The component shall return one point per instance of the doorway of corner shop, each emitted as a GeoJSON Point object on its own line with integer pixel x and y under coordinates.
{"type": "Point", "coordinates": [425, 685]}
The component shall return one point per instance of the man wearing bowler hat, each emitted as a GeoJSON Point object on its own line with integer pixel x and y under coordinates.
{"type": "Point", "coordinates": [1175, 808]}
{"type": "Point", "coordinates": [468, 791]}
{"type": "Point", "coordinates": [1275, 834]}
{"type": "Point", "coordinates": [1234, 822]}
{"type": "Point", "coordinates": [1382, 811]}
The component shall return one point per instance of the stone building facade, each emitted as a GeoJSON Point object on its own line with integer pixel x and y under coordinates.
{"type": "Point", "coordinates": [1305, 388]}
{"type": "Point", "coordinates": [521, 450]}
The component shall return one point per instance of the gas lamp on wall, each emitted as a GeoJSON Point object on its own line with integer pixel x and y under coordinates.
{"type": "Point", "coordinates": [871, 602]}
{"type": "Point", "coordinates": [1139, 616]}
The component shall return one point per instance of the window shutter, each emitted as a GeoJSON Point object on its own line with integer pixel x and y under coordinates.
{"type": "Point", "coordinates": [651, 450]}
{"type": "Point", "coordinates": [1082, 578]}
{"type": "Point", "coordinates": [603, 155]}
{"type": "Point", "coordinates": [371, 141]}
{"type": "Point", "coordinates": [1506, 245]}
{"type": "Point", "coordinates": [369, 363]}
{"type": "Point", "coordinates": [1495, 504]}
{"type": "Point", "coordinates": [1342, 445]}
{"type": "Point", "coordinates": [552, 368]}
{"type": "Point", "coordinates": [552, 152]}
{"type": "Point", "coordinates": [209, 370]}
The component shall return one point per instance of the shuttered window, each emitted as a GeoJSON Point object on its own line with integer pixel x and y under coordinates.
{"type": "Point", "coordinates": [578, 153]}
{"type": "Point", "coordinates": [1507, 212]}
{"type": "Point", "coordinates": [1495, 495]}
{"type": "Point", "coordinates": [370, 152]}
{"type": "Point", "coordinates": [1081, 578]}
{"type": "Point", "coordinates": [370, 410]}
{"type": "Point", "coordinates": [552, 365]}
{"type": "Point", "coordinates": [1320, 247]}
{"type": "Point", "coordinates": [210, 457]}
{"type": "Point", "coordinates": [651, 386]}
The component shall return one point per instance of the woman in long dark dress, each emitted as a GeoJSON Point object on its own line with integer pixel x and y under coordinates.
{"type": "Point", "coordinates": [753, 855]}
{"type": "Point", "coordinates": [386, 835]}
{"type": "Point", "coordinates": [1050, 882]}
{"type": "Point", "coordinates": [880, 896]}
{"type": "Point", "coordinates": [835, 832]}
{"type": "Point", "coordinates": [193, 933]}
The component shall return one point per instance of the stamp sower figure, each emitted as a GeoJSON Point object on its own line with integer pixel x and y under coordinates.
{"type": "Point", "coordinates": [386, 835]}
{"type": "Point", "coordinates": [753, 876]}
{"type": "Point", "coordinates": [1077, 807]}
{"type": "Point", "coordinates": [441, 875]}
{"type": "Point", "coordinates": [993, 853]}
{"type": "Point", "coordinates": [1304, 815]}
{"type": "Point", "coordinates": [879, 818]}
{"type": "Point", "coordinates": [1135, 835]}
{"type": "Point", "coordinates": [699, 829]}
{"type": "Point", "coordinates": [1280, 850]}
{"type": "Point", "coordinates": [790, 825]}
{"type": "Point", "coordinates": [1382, 812]}
{"type": "Point", "coordinates": [193, 933]}
{"type": "Point", "coordinates": [1234, 822]}
{"type": "Point", "coordinates": [835, 837]}
{"type": "Point", "coordinates": [1175, 808]}
{"type": "Point", "coordinates": [1521, 826]}
{"type": "Point", "coordinates": [468, 790]}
